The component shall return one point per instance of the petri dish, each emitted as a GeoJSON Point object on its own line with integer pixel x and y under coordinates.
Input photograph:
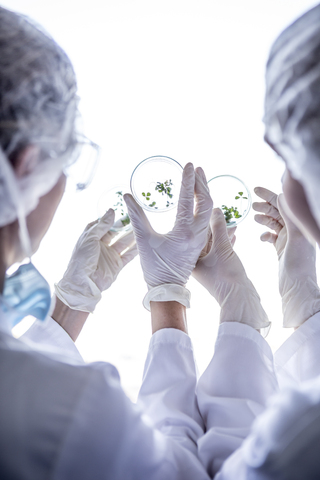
{"type": "Point", "coordinates": [155, 183]}
{"type": "Point", "coordinates": [113, 198]}
{"type": "Point", "coordinates": [232, 196]}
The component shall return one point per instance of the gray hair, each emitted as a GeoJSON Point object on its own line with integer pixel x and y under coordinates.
{"type": "Point", "coordinates": [38, 101]}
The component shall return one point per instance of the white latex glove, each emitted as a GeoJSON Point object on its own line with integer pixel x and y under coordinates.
{"type": "Point", "coordinates": [297, 259]}
{"type": "Point", "coordinates": [222, 274]}
{"type": "Point", "coordinates": [94, 264]}
{"type": "Point", "coordinates": [168, 260]}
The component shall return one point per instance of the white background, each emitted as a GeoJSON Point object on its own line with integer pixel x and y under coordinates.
{"type": "Point", "coordinates": [182, 78]}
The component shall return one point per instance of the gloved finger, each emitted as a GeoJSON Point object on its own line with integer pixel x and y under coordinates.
{"type": "Point", "coordinates": [269, 222]}
{"type": "Point", "coordinates": [233, 241]}
{"type": "Point", "coordinates": [268, 209]}
{"type": "Point", "coordinates": [99, 229]}
{"type": "Point", "coordinates": [140, 224]}
{"type": "Point", "coordinates": [207, 248]}
{"type": "Point", "coordinates": [267, 195]}
{"type": "Point", "coordinates": [108, 237]}
{"type": "Point", "coordinates": [204, 203]}
{"type": "Point", "coordinates": [269, 237]}
{"type": "Point", "coordinates": [201, 174]}
{"type": "Point", "coordinates": [231, 231]}
{"type": "Point", "coordinates": [220, 240]}
{"type": "Point", "coordinates": [91, 224]}
{"type": "Point", "coordinates": [129, 255]}
{"type": "Point", "coordinates": [124, 242]}
{"type": "Point", "coordinates": [186, 197]}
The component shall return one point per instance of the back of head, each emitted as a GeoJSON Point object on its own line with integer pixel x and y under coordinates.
{"type": "Point", "coordinates": [292, 102]}
{"type": "Point", "coordinates": [37, 87]}
{"type": "Point", "coordinates": [38, 106]}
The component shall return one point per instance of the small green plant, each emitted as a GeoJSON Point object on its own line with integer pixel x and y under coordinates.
{"type": "Point", "coordinates": [232, 212]}
{"type": "Point", "coordinates": [240, 195]}
{"type": "Point", "coordinates": [119, 206]}
{"type": "Point", "coordinates": [163, 188]}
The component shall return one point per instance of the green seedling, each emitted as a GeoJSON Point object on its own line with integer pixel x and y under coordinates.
{"type": "Point", "coordinates": [230, 213]}
{"type": "Point", "coordinates": [240, 195]}
{"type": "Point", "coordinates": [163, 188]}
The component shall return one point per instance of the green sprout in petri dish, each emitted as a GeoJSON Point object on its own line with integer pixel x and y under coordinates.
{"type": "Point", "coordinates": [120, 206]}
{"type": "Point", "coordinates": [163, 188]}
{"type": "Point", "coordinates": [231, 213]}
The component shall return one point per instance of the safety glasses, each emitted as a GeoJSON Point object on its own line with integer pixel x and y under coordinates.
{"type": "Point", "coordinates": [82, 164]}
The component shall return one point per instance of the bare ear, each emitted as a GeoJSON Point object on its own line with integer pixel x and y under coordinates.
{"type": "Point", "coordinates": [26, 160]}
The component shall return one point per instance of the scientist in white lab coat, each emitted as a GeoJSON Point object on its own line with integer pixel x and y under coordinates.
{"type": "Point", "coordinates": [263, 421]}
{"type": "Point", "coordinates": [59, 418]}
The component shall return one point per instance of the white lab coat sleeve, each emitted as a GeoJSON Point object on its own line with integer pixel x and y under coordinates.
{"type": "Point", "coordinates": [233, 391]}
{"type": "Point", "coordinates": [298, 358]}
{"type": "Point", "coordinates": [167, 394]}
{"type": "Point", "coordinates": [110, 438]}
{"type": "Point", "coordinates": [49, 335]}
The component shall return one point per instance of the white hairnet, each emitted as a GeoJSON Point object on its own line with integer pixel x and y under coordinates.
{"type": "Point", "coordinates": [38, 106]}
{"type": "Point", "coordinates": [292, 102]}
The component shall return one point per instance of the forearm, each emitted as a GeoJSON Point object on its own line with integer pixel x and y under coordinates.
{"type": "Point", "coordinates": [72, 321]}
{"type": "Point", "coordinates": [233, 390]}
{"type": "Point", "coordinates": [167, 393]}
{"type": "Point", "coordinates": [168, 315]}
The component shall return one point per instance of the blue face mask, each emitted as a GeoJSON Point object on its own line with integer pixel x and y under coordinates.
{"type": "Point", "coordinates": [25, 293]}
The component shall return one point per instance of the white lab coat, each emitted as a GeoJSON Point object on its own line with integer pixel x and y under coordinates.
{"type": "Point", "coordinates": [64, 420]}
{"type": "Point", "coordinates": [242, 378]}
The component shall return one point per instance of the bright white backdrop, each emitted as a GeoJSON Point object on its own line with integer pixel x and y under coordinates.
{"type": "Point", "coordinates": [182, 78]}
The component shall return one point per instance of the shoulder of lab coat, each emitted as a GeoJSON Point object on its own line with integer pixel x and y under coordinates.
{"type": "Point", "coordinates": [233, 391]}
{"type": "Point", "coordinates": [284, 439]}
{"type": "Point", "coordinates": [48, 336]}
{"type": "Point", "coordinates": [167, 394]}
{"type": "Point", "coordinates": [298, 358]}
{"type": "Point", "coordinates": [79, 422]}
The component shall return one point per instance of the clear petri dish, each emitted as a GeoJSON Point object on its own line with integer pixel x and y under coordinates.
{"type": "Point", "coordinates": [155, 183]}
{"type": "Point", "coordinates": [232, 196]}
{"type": "Point", "coordinates": [113, 198]}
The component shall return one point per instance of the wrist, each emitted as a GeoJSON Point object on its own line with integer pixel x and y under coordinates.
{"type": "Point", "coordinates": [72, 321]}
{"type": "Point", "coordinates": [167, 292]}
{"type": "Point", "coordinates": [169, 314]}
{"type": "Point", "coordinates": [243, 305]}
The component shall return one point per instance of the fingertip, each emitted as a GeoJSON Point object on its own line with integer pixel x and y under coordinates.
{"type": "Point", "coordinates": [199, 171]}
{"type": "Point", "coordinates": [217, 212]}
{"type": "Point", "coordinates": [189, 165]}
{"type": "Point", "coordinates": [107, 215]}
{"type": "Point", "coordinates": [126, 197]}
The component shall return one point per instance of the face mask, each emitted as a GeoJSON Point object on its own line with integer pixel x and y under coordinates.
{"type": "Point", "coordinates": [25, 293]}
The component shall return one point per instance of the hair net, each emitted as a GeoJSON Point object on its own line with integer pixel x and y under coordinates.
{"type": "Point", "coordinates": [292, 102]}
{"type": "Point", "coordinates": [38, 106]}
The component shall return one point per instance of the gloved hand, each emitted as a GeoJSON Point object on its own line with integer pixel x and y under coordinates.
{"type": "Point", "coordinates": [168, 260]}
{"type": "Point", "coordinates": [94, 264]}
{"type": "Point", "coordinates": [297, 259]}
{"type": "Point", "coordinates": [222, 274]}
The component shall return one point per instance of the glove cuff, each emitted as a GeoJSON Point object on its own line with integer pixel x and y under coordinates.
{"type": "Point", "coordinates": [77, 301]}
{"type": "Point", "coordinates": [168, 292]}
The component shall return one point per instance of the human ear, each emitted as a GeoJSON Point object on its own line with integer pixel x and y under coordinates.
{"type": "Point", "coordinates": [25, 160]}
